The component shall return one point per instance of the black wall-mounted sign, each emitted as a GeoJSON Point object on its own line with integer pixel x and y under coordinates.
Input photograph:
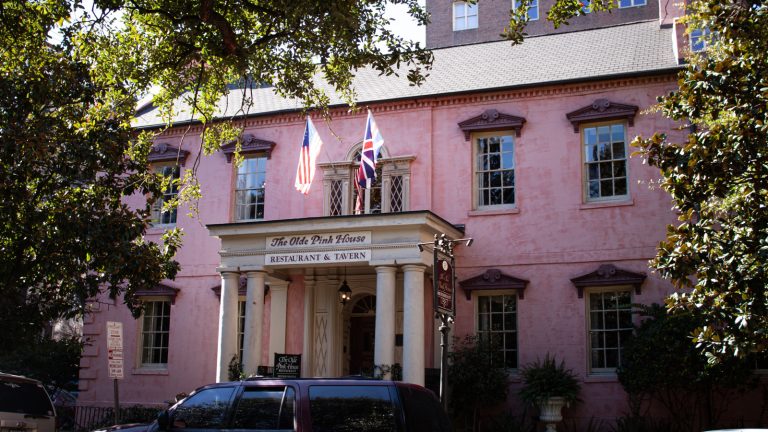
{"type": "Point", "coordinates": [287, 366]}
{"type": "Point", "coordinates": [444, 285]}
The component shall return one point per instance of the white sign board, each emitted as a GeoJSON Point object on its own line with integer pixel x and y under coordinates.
{"type": "Point", "coordinates": [301, 258]}
{"type": "Point", "coordinates": [305, 241]}
{"type": "Point", "coordinates": [115, 349]}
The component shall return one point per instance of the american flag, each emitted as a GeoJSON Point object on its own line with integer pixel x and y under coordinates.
{"type": "Point", "coordinates": [310, 148]}
{"type": "Point", "coordinates": [372, 143]}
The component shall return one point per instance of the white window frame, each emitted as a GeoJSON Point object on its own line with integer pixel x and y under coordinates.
{"type": "Point", "coordinates": [168, 194]}
{"type": "Point", "coordinates": [585, 183]}
{"type": "Point", "coordinates": [465, 18]}
{"type": "Point", "coordinates": [142, 335]}
{"type": "Point", "coordinates": [588, 330]}
{"type": "Point", "coordinates": [632, 3]}
{"type": "Point", "coordinates": [240, 170]}
{"type": "Point", "coordinates": [476, 183]}
{"type": "Point", "coordinates": [533, 6]}
{"type": "Point", "coordinates": [500, 293]}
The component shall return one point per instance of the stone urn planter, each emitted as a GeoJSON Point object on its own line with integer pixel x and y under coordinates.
{"type": "Point", "coordinates": [549, 386]}
{"type": "Point", "coordinates": [550, 412]}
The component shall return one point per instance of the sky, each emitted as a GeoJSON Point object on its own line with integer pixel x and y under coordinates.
{"type": "Point", "coordinates": [404, 25]}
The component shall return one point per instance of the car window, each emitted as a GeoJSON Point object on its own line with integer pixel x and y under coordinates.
{"type": "Point", "coordinates": [351, 408]}
{"type": "Point", "coordinates": [266, 408]}
{"type": "Point", "coordinates": [24, 397]}
{"type": "Point", "coordinates": [423, 411]}
{"type": "Point", "coordinates": [205, 409]}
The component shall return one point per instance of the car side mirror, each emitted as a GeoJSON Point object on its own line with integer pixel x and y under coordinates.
{"type": "Point", "coordinates": [163, 420]}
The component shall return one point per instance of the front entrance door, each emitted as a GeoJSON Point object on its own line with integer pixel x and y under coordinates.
{"type": "Point", "coordinates": [362, 335]}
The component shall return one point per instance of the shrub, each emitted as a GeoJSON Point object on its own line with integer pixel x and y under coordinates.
{"type": "Point", "coordinates": [544, 379]}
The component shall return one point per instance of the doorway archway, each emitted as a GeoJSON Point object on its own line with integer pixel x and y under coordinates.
{"type": "Point", "coordinates": [362, 335]}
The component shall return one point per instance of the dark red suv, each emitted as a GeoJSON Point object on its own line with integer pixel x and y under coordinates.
{"type": "Point", "coordinates": [303, 405]}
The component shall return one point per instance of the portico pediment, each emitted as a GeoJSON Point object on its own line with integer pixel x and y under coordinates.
{"type": "Point", "coordinates": [372, 239]}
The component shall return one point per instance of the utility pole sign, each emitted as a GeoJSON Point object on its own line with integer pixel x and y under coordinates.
{"type": "Point", "coordinates": [115, 349]}
{"type": "Point", "coordinates": [115, 359]}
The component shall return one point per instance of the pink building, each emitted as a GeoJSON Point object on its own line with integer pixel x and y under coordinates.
{"type": "Point", "coordinates": [525, 149]}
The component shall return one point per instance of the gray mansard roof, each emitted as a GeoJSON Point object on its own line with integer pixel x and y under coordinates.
{"type": "Point", "coordinates": [625, 50]}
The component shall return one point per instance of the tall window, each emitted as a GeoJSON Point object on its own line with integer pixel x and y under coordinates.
{"type": "Point", "coordinates": [495, 170]}
{"type": "Point", "coordinates": [464, 16]}
{"type": "Point", "coordinates": [170, 173]}
{"type": "Point", "coordinates": [497, 325]}
{"type": "Point", "coordinates": [249, 189]}
{"type": "Point", "coordinates": [533, 9]}
{"type": "Point", "coordinates": [610, 325]}
{"type": "Point", "coordinates": [155, 326]}
{"type": "Point", "coordinates": [368, 200]}
{"type": "Point", "coordinates": [388, 192]}
{"type": "Point", "coordinates": [605, 161]}
{"type": "Point", "coordinates": [631, 3]}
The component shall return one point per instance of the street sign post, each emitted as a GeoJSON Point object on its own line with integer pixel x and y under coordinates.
{"type": "Point", "coordinates": [115, 358]}
{"type": "Point", "coordinates": [444, 303]}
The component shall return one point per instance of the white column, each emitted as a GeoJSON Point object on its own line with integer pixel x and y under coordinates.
{"type": "Point", "coordinates": [278, 291]}
{"type": "Point", "coordinates": [413, 324]}
{"type": "Point", "coordinates": [309, 319]}
{"type": "Point", "coordinates": [384, 349]}
{"type": "Point", "coordinates": [227, 324]}
{"type": "Point", "coordinates": [254, 319]}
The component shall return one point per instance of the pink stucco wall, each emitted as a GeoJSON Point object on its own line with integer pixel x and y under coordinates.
{"type": "Point", "coordinates": [548, 239]}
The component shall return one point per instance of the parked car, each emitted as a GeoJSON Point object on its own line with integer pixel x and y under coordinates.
{"type": "Point", "coordinates": [25, 405]}
{"type": "Point", "coordinates": [305, 405]}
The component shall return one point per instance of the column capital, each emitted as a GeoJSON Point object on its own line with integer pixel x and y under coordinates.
{"type": "Point", "coordinates": [228, 270]}
{"type": "Point", "coordinates": [386, 269]}
{"type": "Point", "coordinates": [255, 273]}
{"type": "Point", "coordinates": [421, 268]}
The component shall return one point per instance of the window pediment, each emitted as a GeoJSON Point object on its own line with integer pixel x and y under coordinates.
{"type": "Point", "coordinates": [601, 110]}
{"type": "Point", "coordinates": [493, 279]}
{"type": "Point", "coordinates": [164, 152]}
{"type": "Point", "coordinates": [160, 290]}
{"type": "Point", "coordinates": [608, 275]}
{"type": "Point", "coordinates": [491, 120]}
{"type": "Point", "coordinates": [250, 145]}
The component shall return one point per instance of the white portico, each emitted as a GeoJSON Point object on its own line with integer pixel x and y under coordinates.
{"type": "Point", "coordinates": [376, 253]}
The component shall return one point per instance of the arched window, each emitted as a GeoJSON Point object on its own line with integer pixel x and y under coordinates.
{"type": "Point", "coordinates": [388, 193]}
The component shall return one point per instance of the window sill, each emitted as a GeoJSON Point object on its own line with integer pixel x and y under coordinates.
{"type": "Point", "coordinates": [149, 371]}
{"type": "Point", "coordinates": [607, 204]}
{"type": "Point", "coordinates": [601, 378]}
{"type": "Point", "coordinates": [490, 212]}
{"type": "Point", "coordinates": [160, 229]}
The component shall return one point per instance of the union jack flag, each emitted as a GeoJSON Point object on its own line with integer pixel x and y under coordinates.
{"type": "Point", "coordinates": [310, 148]}
{"type": "Point", "coordinates": [372, 143]}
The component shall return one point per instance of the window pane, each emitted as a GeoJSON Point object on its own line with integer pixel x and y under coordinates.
{"type": "Point", "coordinates": [472, 21]}
{"type": "Point", "coordinates": [590, 136]}
{"type": "Point", "coordinates": [594, 173]}
{"type": "Point", "coordinates": [604, 150]}
{"type": "Point", "coordinates": [591, 153]}
{"type": "Point", "coordinates": [606, 188]}
{"type": "Point", "coordinates": [594, 189]}
{"type": "Point", "coordinates": [620, 186]}
{"type": "Point", "coordinates": [351, 408]}
{"type": "Point", "coordinates": [205, 409]}
{"type": "Point", "coordinates": [265, 408]}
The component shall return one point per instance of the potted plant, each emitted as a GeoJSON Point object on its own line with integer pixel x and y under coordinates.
{"type": "Point", "coordinates": [549, 386]}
